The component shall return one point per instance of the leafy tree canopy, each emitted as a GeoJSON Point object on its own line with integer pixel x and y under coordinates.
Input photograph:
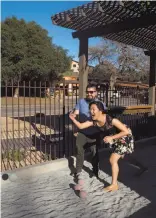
{"type": "Point", "coordinates": [28, 52]}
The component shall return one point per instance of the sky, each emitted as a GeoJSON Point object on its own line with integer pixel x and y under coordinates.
{"type": "Point", "coordinates": [41, 12]}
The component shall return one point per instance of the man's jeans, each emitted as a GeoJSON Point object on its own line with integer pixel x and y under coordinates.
{"type": "Point", "coordinates": [81, 142]}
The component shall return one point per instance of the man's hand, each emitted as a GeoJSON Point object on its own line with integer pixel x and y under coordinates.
{"type": "Point", "coordinates": [76, 134]}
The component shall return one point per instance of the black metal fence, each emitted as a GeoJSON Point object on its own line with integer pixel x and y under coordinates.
{"type": "Point", "coordinates": [36, 126]}
{"type": "Point", "coordinates": [123, 96]}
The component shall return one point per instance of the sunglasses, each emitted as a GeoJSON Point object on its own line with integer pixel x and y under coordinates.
{"type": "Point", "coordinates": [91, 92]}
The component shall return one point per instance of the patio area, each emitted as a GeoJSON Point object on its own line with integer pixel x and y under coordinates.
{"type": "Point", "coordinates": [46, 190]}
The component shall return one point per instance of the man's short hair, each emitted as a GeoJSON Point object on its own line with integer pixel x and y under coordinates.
{"type": "Point", "coordinates": [91, 86]}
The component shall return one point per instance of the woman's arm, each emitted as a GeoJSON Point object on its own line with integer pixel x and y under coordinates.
{"type": "Point", "coordinates": [80, 125]}
{"type": "Point", "coordinates": [119, 125]}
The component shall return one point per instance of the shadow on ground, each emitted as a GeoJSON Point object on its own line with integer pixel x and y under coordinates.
{"type": "Point", "coordinates": [144, 184]}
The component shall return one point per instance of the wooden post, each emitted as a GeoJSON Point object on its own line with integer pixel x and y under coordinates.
{"type": "Point", "coordinates": [83, 68]}
{"type": "Point", "coordinates": [152, 82]}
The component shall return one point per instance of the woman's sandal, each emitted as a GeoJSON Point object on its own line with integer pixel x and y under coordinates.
{"type": "Point", "coordinates": [111, 188]}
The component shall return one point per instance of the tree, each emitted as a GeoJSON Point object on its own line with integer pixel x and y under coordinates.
{"type": "Point", "coordinates": [68, 73]}
{"type": "Point", "coordinates": [104, 51]}
{"type": "Point", "coordinates": [104, 55]}
{"type": "Point", "coordinates": [133, 64]}
{"type": "Point", "coordinates": [129, 62]}
{"type": "Point", "coordinates": [103, 72]}
{"type": "Point", "coordinates": [29, 54]}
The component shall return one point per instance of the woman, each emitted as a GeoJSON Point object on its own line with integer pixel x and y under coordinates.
{"type": "Point", "coordinates": [117, 135]}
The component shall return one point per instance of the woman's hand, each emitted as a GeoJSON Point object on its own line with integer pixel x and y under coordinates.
{"type": "Point", "coordinates": [108, 139]}
{"type": "Point", "coordinates": [72, 116]}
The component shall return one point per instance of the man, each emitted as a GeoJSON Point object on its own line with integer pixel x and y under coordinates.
{"type": "Point", "coordinates": [89, 135]}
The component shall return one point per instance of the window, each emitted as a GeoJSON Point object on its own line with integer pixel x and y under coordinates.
{"type": "Point", "coordinates": [74, 65]}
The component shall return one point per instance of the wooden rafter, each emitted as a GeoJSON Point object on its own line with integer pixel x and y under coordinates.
{"type": "Point", "coordinates": [128, 24]}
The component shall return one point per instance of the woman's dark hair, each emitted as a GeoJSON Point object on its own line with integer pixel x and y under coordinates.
{"type": "Point", "coordinates": [99, 105]}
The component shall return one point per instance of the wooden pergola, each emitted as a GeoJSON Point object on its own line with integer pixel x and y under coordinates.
{"type": "Point", "coordinates": [129, 22]}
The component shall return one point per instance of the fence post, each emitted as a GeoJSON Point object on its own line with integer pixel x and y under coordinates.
{"type": "Point", "coordinates": [64, 141]}
{"type": "Point", "coordinates": [137, 95]}
{"type": "Point", "coordinates": [7, 140]}
{"type": "Point", "coordinates": [107, 87]}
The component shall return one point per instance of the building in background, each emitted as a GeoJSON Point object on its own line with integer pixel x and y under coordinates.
{"type": "Point", "coordinates": [71, 81]}
{"type": "Point", "coordinates": [75, 67]}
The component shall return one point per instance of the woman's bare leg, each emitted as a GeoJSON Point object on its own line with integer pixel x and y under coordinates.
{"type": "Point", "coordinates": [115, 167]}
{"type": "Point", "coordinates": [115, 172]}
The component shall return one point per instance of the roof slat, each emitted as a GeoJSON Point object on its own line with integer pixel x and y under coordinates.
{"type": "Point", "coordinates": [100, 14]}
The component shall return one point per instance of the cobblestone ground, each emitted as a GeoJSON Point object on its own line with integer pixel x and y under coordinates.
{"type": "Point", "coordinates": [51, 194]}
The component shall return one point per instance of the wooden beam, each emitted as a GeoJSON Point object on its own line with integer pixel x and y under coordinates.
{"type": "Point", "coordinates": [82, 13]}
{"type": "Point", "coordinates": [152, 81]}
{"type": "Point", "coordinates": [83, 69]}
{"type": "Point", "coordinates": [135, 111]}
{"type": "Point", "coordinates": [128, 24]}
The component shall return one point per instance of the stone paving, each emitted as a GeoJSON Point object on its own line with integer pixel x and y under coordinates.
{"type": "Point", "coordinates": [47, 191]}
